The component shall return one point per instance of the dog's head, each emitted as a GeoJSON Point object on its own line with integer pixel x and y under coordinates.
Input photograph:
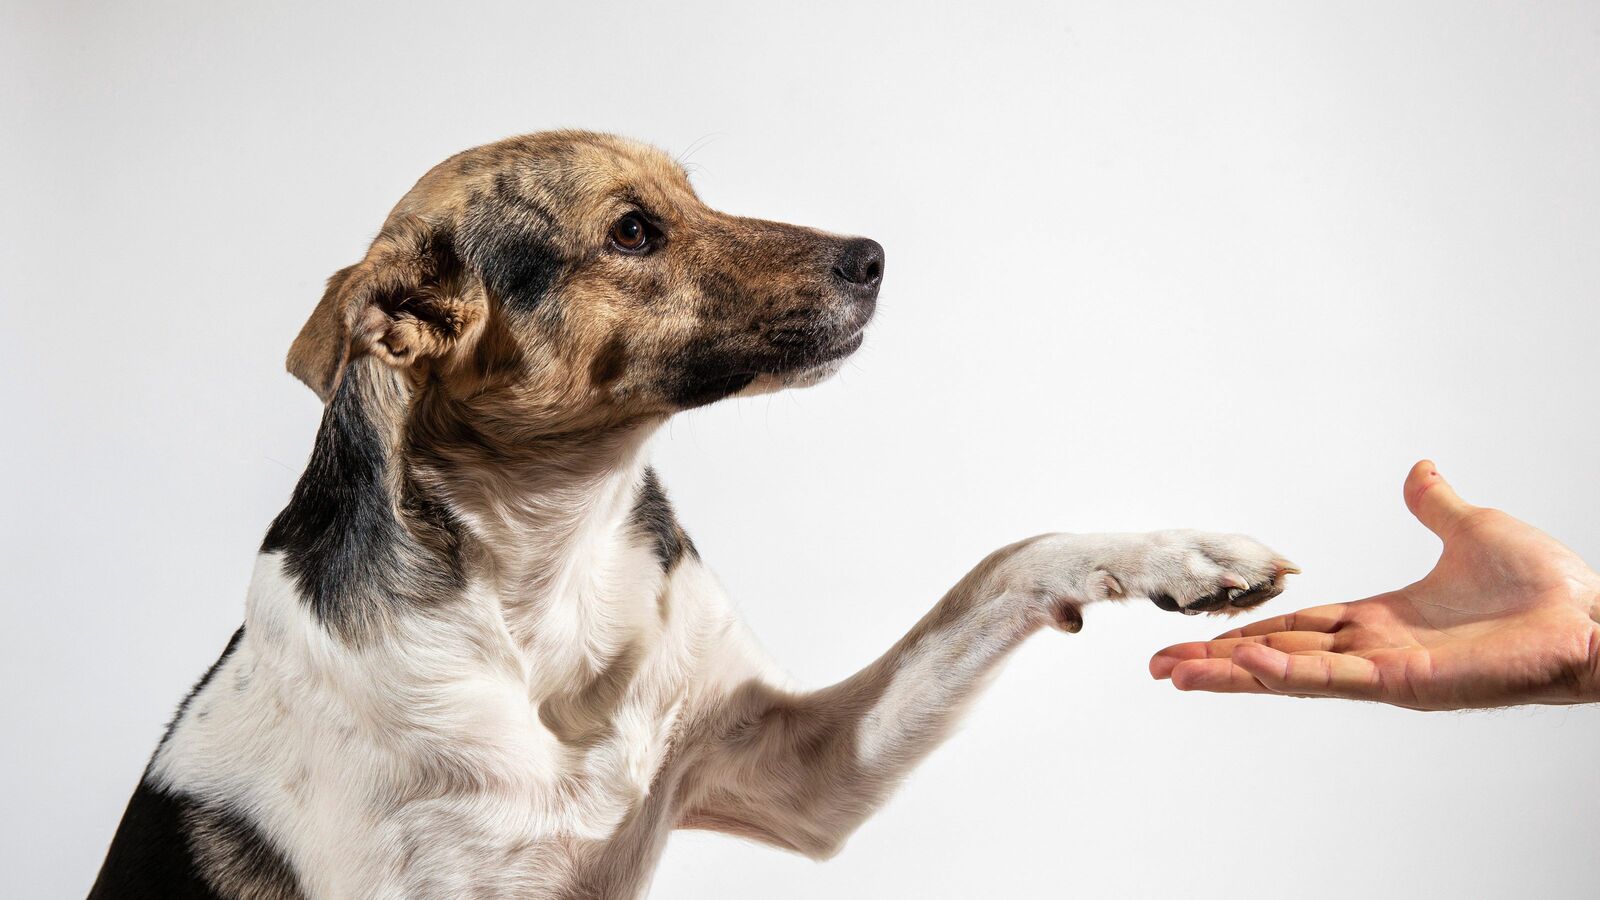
{"type": "Point", "coordinates": [577, 280]}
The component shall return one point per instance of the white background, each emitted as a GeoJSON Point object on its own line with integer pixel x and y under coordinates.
{"type": "Point", "coordinates": [1233, 268]}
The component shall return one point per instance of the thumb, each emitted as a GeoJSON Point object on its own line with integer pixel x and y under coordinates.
{"type": "Point", "coordinates": [1433, 501]}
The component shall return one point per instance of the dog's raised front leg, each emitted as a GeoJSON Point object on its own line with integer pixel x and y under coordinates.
{"type": "Point", "coordinates": [802, 770]}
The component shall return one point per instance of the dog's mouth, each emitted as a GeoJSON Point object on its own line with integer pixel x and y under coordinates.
{"type": "Point", "coordinates": [844, 347]}
{"type": "Point", "coordinates": [799, 347]}
{"type": "Point", "coordinates": [817, 365]}
{"type": "Point", "coordinates": [814, 344]}
{"type": "Point", "coordinates": [805, 348]}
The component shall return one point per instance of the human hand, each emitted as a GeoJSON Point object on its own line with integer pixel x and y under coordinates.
{"type": "Point", "coordinates": [1508, 615]}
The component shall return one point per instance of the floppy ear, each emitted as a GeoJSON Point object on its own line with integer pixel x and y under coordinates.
{"type": "Point", "coordinates": [410, 300]}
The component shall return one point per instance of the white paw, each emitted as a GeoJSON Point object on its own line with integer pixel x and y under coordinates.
{"type": "Point", "coordinates": [1197, 571]}
{"type": "Point", "coordinates": [1181, 571]}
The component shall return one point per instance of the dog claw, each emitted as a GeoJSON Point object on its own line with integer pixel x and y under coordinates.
{"type": "Point", "coordinates": [1110, 587]}
{"type": "Point", "coordinates": [1256, 597]}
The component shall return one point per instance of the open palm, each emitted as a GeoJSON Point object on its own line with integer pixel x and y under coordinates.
{"type": "Point", "coordinates": [1508, 615]}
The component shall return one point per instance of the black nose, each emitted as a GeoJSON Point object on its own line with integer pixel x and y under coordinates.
{"type": "Point", "coordinates": [860, 264]}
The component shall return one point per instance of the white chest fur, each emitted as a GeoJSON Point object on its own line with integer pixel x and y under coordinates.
{"type": "Point", "coordinates": [448, 755]}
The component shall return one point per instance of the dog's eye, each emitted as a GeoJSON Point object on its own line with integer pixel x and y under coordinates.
{"type": "Point", "coordinates": [631, 234]}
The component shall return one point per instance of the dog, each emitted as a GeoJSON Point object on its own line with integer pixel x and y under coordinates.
{"type": "Point", "coordinates": [480, 656]}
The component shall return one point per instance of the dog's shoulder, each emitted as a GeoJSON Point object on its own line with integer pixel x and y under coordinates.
{"type": "Point", "coordinates": [173, 843]}
{"type": "Point", "coordinates": [173, 846]}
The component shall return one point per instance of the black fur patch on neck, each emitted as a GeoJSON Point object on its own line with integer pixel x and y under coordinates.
{"type": "Point", "coordinates": [171, 847]}
{"type": "Point", "coordinates": [351, 544]}
{"type": "Point", "coordinates": [652, 516]}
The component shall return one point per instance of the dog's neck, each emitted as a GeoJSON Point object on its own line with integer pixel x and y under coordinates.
{"type": "Point", "coordinates": [548, 515]}
{"type": "Point", "coordinates": [408, 499]}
